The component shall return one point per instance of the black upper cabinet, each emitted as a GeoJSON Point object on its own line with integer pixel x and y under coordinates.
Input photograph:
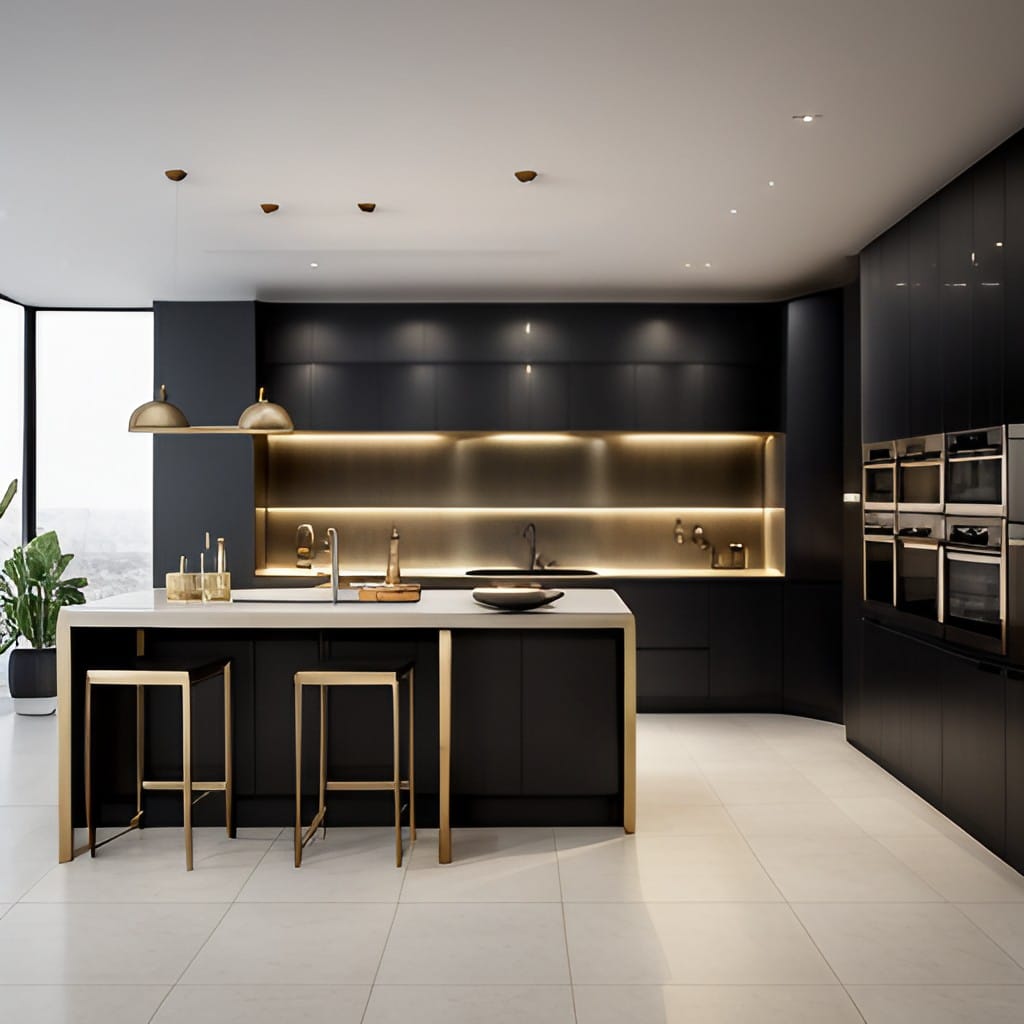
{"type": "Point", "coordinates": [1013, 250]}
{"type": "Point", "coordinates": [956, 275]}
{"type": "Point", "coordinates": [407, 397]}
{"type": "Point", "coordinates": [472, 396]}
{"type": "Point", "coordinates": [538, 396]}
{"type": "Point", "coordinates": [670, 396]}
{"type": "Point", "coordinates": [741, 397]}
{"type": "Point", "coordinates": [1015, 769]}
{"type": "Point", "coordinates": [291, 385]}
{"type": "Point", "coordinates": [925, 368]}
{"type": "Point", "coordinates": [602, 396]}
{"type": "Point", "coordinates": [988, 289]}
{"type": "Point", "coordinates": [885, 336]}
{"type": "Point", "coordinates": [346, 397]}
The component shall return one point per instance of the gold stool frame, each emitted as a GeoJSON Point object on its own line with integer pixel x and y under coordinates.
{"type": "Point", "coordinates": [323, 679]}
{"type": "Point", "coordinates": [184, 679]}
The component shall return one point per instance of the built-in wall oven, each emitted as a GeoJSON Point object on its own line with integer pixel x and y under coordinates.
{"type": "Point", "coordinates": [880, 476]}
{"type": "Point", "coordinates": [919, 580]}
{"type": "Point", "coordinates": [880, 558]}
{"type": "Point", "coordinates": [919, 474]}
{"type": "Point", "coordinates": [976, 472]}
{"type": "Point", "coordinates": [974, 582]}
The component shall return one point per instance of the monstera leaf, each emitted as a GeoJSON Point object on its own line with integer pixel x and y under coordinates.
{"type": "Point", "coordinates": [32, 592]}
{"type": "Point", "coordinates": [8, 497]}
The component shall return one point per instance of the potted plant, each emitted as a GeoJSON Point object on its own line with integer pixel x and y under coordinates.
{"type": "Point", "coordinates": [32, 592]}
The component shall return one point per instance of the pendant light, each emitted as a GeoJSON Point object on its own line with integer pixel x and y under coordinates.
{"type": "Point", "coordinates": [263, 415]}
{"type": "Point", "coordinates": [157, 415]}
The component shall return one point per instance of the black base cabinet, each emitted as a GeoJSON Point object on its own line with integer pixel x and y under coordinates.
{"type": "Point", "coordinates": [950, 727]}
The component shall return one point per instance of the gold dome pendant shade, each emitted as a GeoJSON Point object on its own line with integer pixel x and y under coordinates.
{"type": "Point", "coordinates": [157, 415]}
{"type": "Point", "coordinates": [264, 415]}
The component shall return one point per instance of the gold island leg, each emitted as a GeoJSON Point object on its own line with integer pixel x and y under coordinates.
{"type": "Point", "coordinates": [444, 833]}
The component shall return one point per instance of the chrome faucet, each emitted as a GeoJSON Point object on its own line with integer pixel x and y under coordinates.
{"type": "Point", "coordinates": [332, 543]}
{"type": "Point", "coordinates": [699, 539]}
{"type": "Point", "coordinates": [530, 533]}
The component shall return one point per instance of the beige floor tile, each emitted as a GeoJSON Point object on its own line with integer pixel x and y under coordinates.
{"type": "Point", "coordinates": [664, 868]}
{"type": "Point", "coordinates": [692, 944]}
{"type": "Point", "coordinates": [906, 944]}
{"type": "Point", "coordinates": [469, 1004]}
{"type": "Point", "coordinates": [476, 944]}
{"type": "Point", "coordinates": [350, 865]}
{"type": "Point", "coordinates": [263, 1004]}
{"type": "Point", "coordinates": [294, 943]}
{"type": "Point", "coordinates": [820, 818]}
{"type": "Point", "coordinates": [962, 871]}
{"type": "Point", "coordinates": [493, 865]}
{"type": "Point", "coordinates": [102, 944]}
{"type": "Point", "coordinates": [939, 1004]}
{"type": "Point", "coordinates": [714, 1004]}
{"type": "Point", "coordinates": [1001, 922]}
{"type": "Point", "coordinates": [886, 816]}
{"type": "Point", "coordinates": [835, 870]}
{"type": "Point", "coordinates": [79, 1004]}
{"type": "Point", "coordinates": [768, 791]}
{"type": "Point", "coordinates": [664, 815]}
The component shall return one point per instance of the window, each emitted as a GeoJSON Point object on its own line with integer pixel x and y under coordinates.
{"type": "Point", "coordinates": [12, 351]}
{"type": "Point", "coordinates": [94, 479]}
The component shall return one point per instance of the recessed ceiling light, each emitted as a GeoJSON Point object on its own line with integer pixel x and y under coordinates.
{"type": "Point", "coordinates": [771, 184]}
{"type": "Point", "coordinates": [734, 211]}
{"type": "Point", "coordinates": [525, 176]}
{"type": "Point", "coordinates": [269, 207]}
{"type": "Point", "coordinates": [527, 326]}
{"type": "Point", "coordinates": [806, 118]}
{"type": "Point", "coordinates": [529, 368]}
{"type": "Point", "coordinates": [999, 245]}
{"type": "Point", "coordinates": [707, 264]}
{"type": "Point", "coordinates": [687, 265]}
{"type": "Point", "coordinates": [314, 264]}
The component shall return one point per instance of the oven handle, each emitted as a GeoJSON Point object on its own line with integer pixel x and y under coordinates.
{"type": "Point", "coordinates": [973, 458]}
{"type": "Point", "coordinates": [914, 463]}
{"type": "Point", "coordinates": [920, 545]}
{"type": "Point", "coordinates": [1016, 543]}
{"type": "Point", "coordinates": [978, 557]}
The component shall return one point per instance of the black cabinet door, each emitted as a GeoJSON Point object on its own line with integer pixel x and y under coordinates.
{"type": "Point", "coordinates": [291, 385]}
{"type": "Point", "coordinates": [346, 396]}
{"type": "Point", "coordinates": [538, 396]}
{"type": "Point", "coordinates": [746, 645]}
{"type": "Point", "coordinates": [873, 688]}
{"type": "Point", "coordinates": [472, 396]}
{"type": "Point", "coordinates": [670, 396]}
{"type": "Point", "coordinates": [974, 749]}
{"type": "Point", "coordinates": [602, 396]}
{"type": "Point", "coordinates": [920, 765]}
{"type": "Point", "coordinates": [407, 396]}
{"type": "Point", "coordinates": [1015, 769]}
{"type": "Point", "coordinates": [572, 740]}
{"type": "Point", "coordinates": [956, 243]}
{"type": "Point", "coordinates": [872, 351]}
{"type": "Point", "coordinates": [925, 366]}
{"type": "Point", "coordinates": [895, 333]}
{"type": "Point", "coordinates": [672, 679]}
{"type": "Point", "coordinates": [487, 713]}
{"type": "Point", "coordinates": [1013, 350]}
{"type": "Point", "coordinates": [813, 683]}
{"type": "Point", "coordinates": [741, 396]}
{"type": "Point", "coordinates": [988, 292]}
{"type": "Point", "coordinates": [668, 614]}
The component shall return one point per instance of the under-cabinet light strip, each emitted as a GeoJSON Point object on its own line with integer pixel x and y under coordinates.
{"type": "Point", "coordinates": [434, 510]}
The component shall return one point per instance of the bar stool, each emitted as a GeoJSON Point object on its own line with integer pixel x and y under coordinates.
{"type": "Point", "coordinates": [153, 673]}
{"type": "Point", "coordinates": [324, 677]}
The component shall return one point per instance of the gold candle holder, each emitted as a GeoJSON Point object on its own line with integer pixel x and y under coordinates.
{"type": "Point", "coordinates": [183, 586]}
{"type": "Point", "coordinates": [216, 586]}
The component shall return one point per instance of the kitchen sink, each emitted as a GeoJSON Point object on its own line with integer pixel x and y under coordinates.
{"type": "Point", "coordinates": [554, 571]}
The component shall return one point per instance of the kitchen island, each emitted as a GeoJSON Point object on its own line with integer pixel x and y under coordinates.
{"type": "Point", "coordinates": [588, 634]}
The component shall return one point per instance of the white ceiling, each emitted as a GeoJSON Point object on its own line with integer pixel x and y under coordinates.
{"type": "Point", "coordinates": [647, 120]}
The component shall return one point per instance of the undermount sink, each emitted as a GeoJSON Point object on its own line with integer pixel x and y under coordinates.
{"type": "Point", "coordinates": [554, 571]}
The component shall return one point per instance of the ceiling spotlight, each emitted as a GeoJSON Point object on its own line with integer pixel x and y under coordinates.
{"type": "Point", "coordinates": [527, 326]}
{"type": "Point", "coordinates": [367, 207]}
{"type": "Point", "coordinates": [999, 245]}
{"type": "Point", "coordinates": [269, 207]}
{"type": "Point", "coordinates": [771, 184]}
{"type": "Point", "coordinates": [176, 174]}
{"type": "Point", "coordinates": [707, 264]}
{"type": "Point", "coordinates": [806, 118]}
{"type": "Point", "coordinates": [314, 265]}
{"type": "Point", "coordinates": [687, 265]}
{"type": "Point", "coordinates": [526, 175]}
{"type": "Point", "coordinates": [734, 211]}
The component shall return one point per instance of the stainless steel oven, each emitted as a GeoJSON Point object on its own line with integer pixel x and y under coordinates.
{"type": "Point", "coordinates": [919, 578]}
{"type": "Point", "coordinates": [920, 474]}
{"type": "Point", "coordinates": [976, 472]}
{"type": "Point", "coordinates": [974, 582]}
{"type": "Point", "coordinates": [879, 476]}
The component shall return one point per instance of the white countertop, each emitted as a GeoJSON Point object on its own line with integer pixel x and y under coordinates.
{"type": "Point", "coordinates": [436, 609]}
{"type": "Point", "coordinates": [454, 572]}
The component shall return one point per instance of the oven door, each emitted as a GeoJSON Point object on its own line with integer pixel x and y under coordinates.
{"type": "Point", "coordinates": [880, 486]}
{"type": "Point", "coordinates": [880, 570]}
{"type": "Point", "coordinates": [919, 579]}
{"type": "Point", "coordinates": [920, 486]}
{"type": "Point", "coordinates": [975, 599]}
{"type": "Point", "coordinates": [976, 485]}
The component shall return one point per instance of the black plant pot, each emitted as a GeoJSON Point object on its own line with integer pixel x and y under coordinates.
{"type": "Point", "coordinates": [32, 680]}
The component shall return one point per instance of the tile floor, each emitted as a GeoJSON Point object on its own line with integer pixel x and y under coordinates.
{"type": "Point", "coordinates": [777, 876]}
